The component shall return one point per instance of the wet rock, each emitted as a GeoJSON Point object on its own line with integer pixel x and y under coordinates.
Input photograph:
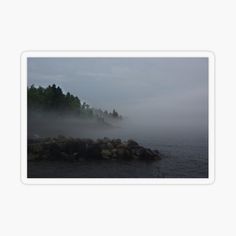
{"type": "Point", "coordinates": [127, 154]}
{"type": "Point", "coordinates": [114, 156]}
{"type": "Point", "coordinates": [61, 138]}
{"type": "Point", "coordinates": [99, 141]}
{"type": "Point", "coordinates": [131, 143]}
{"type": "Point", "coordinates": [149, 155]}
{"type": "Point", "coordinates": [105, 140]}
{"type": "Point", "coordinates": [156, 152]}
{"type": "Point", "coordinates": [140, 152]}
{"type": "Point", "coordinates": [93, 151]}
{"type": "Point", "coordinates": [70, 149]}
{"type": "Point", "coordinates": [106, 154]}
{"type": "Point", "coordinates": [120, 152]}
{"type": "Point", "coordinates": [114, 150]}
{"type": "Point", "coordinates": [135, 157]}
{"type": "Point", "coordinates": [33, 157]}
{"type": "Point", "coordinates": [116, 142]}
{"type": "Point", "coordinates": [122, 145]}
{"type": "Point", "coordinates": [109, 145]}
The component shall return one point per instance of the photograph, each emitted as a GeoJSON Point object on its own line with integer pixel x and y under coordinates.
{"type": "Point", "coordinates": [117, 117]}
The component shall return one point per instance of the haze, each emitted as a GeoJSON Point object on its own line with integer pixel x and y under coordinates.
{"type": "Point", "coordinates": [164, 99]}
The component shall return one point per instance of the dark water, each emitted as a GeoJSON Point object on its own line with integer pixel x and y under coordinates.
{"type": "Point", "coordinates": [177, 162]}
{"type": "Point", "coordinates": [181, 160]}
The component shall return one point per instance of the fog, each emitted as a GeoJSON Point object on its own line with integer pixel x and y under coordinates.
{"type": "Point", "coordinates": [52, 124]}
{"type": "Point", "coordinates": [164, 100]}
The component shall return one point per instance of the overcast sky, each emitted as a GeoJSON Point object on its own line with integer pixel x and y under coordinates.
{"type": "Point", "coordinates": [169, 91]}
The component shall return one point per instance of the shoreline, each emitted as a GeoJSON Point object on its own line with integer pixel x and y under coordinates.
{"type": "Point", "coordinates": [75, 149]}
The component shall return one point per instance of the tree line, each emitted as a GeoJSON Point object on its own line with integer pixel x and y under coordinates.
{"type": "Point", "coordinates": [52, 98]}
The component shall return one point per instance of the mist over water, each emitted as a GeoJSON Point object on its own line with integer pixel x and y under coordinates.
{"type": "Point", "coordinates": [50, 125]}
{"type": "Point", "coordinates": [163, 101]}
{"type": "Point", "coordinates": [184, 152]}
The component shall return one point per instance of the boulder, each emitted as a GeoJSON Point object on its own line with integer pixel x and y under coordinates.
{"type": "Point", "coordinates": [62, 148]}
{"type": "Point", "coordinates": [106, 140]}
{"type": "Point", "coordinates": [109, 145]}
{"type": "Point", "coordinates": [93, 151]}
{"type": "Point", "coordinates": [116, 142]}
{"type": "Point", "coordinates": [106, 154]}
{"type": "Point", "coordinates": [120, 152]}
{"type": "Point", "coordinates": [114, 156]}
{"type": "Point", "coordinates": [131, 143]}
{"type": "Point", "coordinates": [122, 145]}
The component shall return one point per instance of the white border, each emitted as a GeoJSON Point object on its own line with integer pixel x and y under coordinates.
{"type": "Point", "coordinates": [211, 109]}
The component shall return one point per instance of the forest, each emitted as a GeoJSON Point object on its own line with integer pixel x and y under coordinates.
{"type": "Point", "coordinates": [52, 99]}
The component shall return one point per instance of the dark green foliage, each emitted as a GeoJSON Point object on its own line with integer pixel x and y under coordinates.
{"type": "Point", "coordinates": [53, 99]}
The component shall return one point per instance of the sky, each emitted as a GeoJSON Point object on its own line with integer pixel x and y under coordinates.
{"type": "Point", "coordinates": [165, 92]}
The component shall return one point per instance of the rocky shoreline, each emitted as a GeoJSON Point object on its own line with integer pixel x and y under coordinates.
{"type": "Point", "coordinates": [75, 149]}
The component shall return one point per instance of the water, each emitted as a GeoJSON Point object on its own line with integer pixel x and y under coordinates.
{"type": "Point", "coordinates": [177, 161]}
{"type": "Point", "coordinates": [184, 154]}
{"type": "Point", "coordinates": [181, 160]}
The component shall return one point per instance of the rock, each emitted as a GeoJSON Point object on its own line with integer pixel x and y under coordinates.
{"type": "Point", "coordinates": [35, 148]}
{"type": "Point", "coordinates": [140, 152]}
{"type": "Point", "coordinates": [93, 151]}
{"type": "Point", "coordinates": [33, 157]}
{"type": "Point", "coordinates": [65, 157]}
{"type": "Point", "coordinates": [156, 152]}
{"type": "Point", "coordinates": [157, 158]}
{"type": "Point", "coordinates": [135, 157]}
{"type": "Point", "coordinates": [109, 145]}
{"type": "Point", "coordinates": [71, 149]}
{"type": "Point", "coordinates": [35, 136]}
{"type": "Point", "coordinates": [61, 137]}
{"type": "Point", "coordinates": [127, 154]}
{"type": "Point", "coordinates": [114, 150]}
{"type": "Point", "coordinates": [132, 143]}
{"type": "Point", "coordinates": [116, 142]}
{"type": "Point", "coordinates": [149, 154]}
{"type": "Point", "coordinates": [122, 145]}
{"type": "Point", "coordinates": [114, 156]}
{"type": "Point", "coordinates": [120, 152]}
{"type": "Point", "coordinates": [106, 154]}
{"type": "Point", "coordinates": [103, 146]}
{"type": "Point", "coordinates": [106, 140]}
{"type": "Point", "coordinates": [99, 141]}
